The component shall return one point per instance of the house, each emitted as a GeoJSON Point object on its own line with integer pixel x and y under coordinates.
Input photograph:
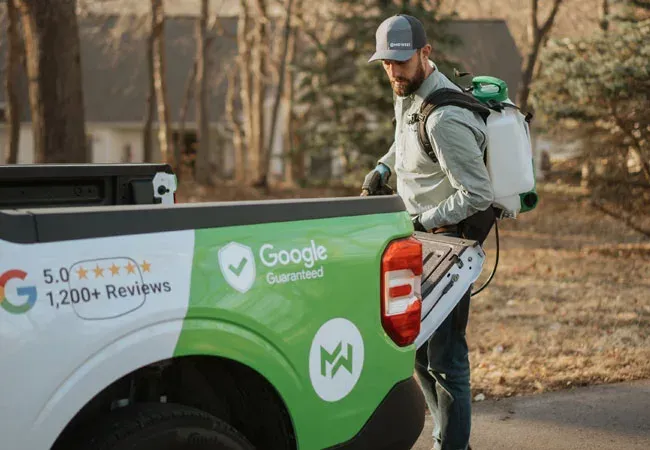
{"type": "Point", "coordinates": [115, 84]}
{"type": "Point", "coordinates": [115, 87]}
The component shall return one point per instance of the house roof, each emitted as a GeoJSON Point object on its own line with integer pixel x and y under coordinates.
{"type": "Point", "coordinates": [114, 68]}
{"type": "Point", "coordinates": [113, 57]}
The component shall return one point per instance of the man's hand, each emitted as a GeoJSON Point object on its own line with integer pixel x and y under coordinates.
{"type": "Point", "coordinates": [375, 182]}
{"type": "Point", "coordinates": [417, 225]}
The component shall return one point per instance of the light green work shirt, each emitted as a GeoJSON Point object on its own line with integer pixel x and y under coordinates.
{"type": "Point", "coordinates": [458, 185]}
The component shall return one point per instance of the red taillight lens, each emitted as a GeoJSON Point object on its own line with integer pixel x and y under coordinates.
{"type": "Point", "coordinates": [401, 300]}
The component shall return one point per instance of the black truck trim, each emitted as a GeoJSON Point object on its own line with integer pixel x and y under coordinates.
{"type": "Point", "coordinates": [70, 223]}
{"type": "Point", "coordinates": [61, 185]}
{"type": "Point", "coordinates": [396, 424]}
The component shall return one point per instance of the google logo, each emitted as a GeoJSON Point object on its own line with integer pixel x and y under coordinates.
{"type": "Point", "coordinates": [26, 291]}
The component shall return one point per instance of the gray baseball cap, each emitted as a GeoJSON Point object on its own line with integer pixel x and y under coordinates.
{"type": "Point", "coordinates": [398, 38]}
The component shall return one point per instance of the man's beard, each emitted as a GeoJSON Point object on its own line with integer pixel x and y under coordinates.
{"type": "Point", "coordinates": [409, 86]}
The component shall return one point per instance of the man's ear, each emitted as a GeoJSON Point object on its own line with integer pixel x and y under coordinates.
{"type": "Point", "coordinates": [426, 51]}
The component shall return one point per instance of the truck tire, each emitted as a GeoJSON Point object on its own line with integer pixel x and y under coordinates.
{"type": "Point", "coordinates": [159, 426]}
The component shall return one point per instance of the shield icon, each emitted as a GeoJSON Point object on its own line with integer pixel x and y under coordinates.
{"type": "Point", "coordinates": [237, 264]}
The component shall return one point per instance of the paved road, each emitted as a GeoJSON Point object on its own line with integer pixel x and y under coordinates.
{"type": "Point", "coordinates": [612, 417]}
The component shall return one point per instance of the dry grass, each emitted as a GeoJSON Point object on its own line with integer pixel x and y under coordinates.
{"type": "Point", "coordinates": [570, 302]}
{"type": "Point", "coordinates": [569, 305]}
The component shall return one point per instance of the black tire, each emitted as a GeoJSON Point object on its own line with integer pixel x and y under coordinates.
{"type": "Point", "coordinates": [160, 426]}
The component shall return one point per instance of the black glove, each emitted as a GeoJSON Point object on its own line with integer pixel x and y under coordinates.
{"type": "Point", "coordinates": [417, 225]}
{"type": "Point", "coordinates": [375, 183]}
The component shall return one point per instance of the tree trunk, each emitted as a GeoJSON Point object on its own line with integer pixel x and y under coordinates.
{"type": "Point", "coordinates": [12, 80]}
{"type": "Point", "coordinates": [268, 154]}
{"type": "Point", "coordinates": [244, 63]}
{"type": "Point", "coordinates": [55, 82]}
{"type": "Point", "coordinates": [235, 125]}
{"type": "Point", "coordinates": [164, 132]}
{"type": "Point", "coordinates": [258, 175]}
{"type": "Point", "coordinates": [204, 169]}
{"type": "Point", "coordinates": [180, 142]}
{"type": "Point", "coordinates": [536, 36]}
{"type": "Point", "coordinates": [149, 112]}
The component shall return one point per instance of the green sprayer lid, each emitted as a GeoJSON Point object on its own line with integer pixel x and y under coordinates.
{"type": "Point", "coordinates": [487, 88]}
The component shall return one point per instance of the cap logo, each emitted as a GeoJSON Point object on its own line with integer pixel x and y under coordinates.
{"type": "Point", "coordinates": [399, 44]}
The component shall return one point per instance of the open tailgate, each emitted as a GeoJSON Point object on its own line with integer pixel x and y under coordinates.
{"type": "Point", "coordinates": [450, 266]}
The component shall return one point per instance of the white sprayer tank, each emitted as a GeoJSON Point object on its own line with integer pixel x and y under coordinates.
{"type": "Point", "coordinates": [509, 156]}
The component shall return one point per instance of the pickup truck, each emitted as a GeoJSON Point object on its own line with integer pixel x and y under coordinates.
{"type": "Point", "coordinates": [128, 320]}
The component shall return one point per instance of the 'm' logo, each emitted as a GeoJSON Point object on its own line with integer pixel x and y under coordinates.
{"type": "Point", "coordinates": [27, 293]}
{"type": "Point", "coordinates": [237, 264]}
{"type": "Point", "coordinates": [336, 359]}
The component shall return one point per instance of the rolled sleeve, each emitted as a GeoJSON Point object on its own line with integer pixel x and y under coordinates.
{"type": "Point", "coordinates": [454, 141]}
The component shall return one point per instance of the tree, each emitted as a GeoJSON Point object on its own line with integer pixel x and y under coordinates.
{"type": "Point", "coordinates": [160, 80]}
{"type": "Point", "coordinates": [13, 72]}
{"type": "Point", "coordinates": [598, 89]}
{"type": "Point", "coordinates": [53, 59]}
{"type": "Point", "coordinates": [204, 170]}
{"type": "Point", "coordinates": [151, 95]}
{"type": "Point", "coordinates": [537, 36]}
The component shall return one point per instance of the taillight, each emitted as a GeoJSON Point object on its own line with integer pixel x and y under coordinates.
{"type": "Point", "coordinates": [401, 298]}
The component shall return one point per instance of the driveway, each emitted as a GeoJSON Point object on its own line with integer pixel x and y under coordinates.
{"type": "Point", "coordinates": [612, 417]}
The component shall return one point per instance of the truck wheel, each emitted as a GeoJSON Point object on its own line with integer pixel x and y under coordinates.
{"type": "Point", "coordinates": [161, 426]}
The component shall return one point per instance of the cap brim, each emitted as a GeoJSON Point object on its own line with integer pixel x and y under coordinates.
{"type": "Point", "coordinates": [397, 55]}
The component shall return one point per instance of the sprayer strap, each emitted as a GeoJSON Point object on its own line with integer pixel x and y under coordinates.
{"type": "Point", "coordinates": [444, 97]}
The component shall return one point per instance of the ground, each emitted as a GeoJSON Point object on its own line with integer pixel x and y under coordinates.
{"type": "Point", "coordinates": [569, 304]}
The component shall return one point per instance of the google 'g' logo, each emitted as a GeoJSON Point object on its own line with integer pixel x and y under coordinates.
{"type": "Point", "coordinates": [27, 292]}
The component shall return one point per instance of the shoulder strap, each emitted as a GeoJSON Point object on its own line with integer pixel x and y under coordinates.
{"type": "Point", "coordinates": [443, 97]}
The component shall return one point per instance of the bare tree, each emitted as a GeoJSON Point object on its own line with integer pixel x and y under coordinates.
{"type": "Point", "coordinates": [244, 43]}
{"type": "Point", "coordinates": [158, 31]}
{"type": "Point", "coordinates": [281, 85]}
{"type": "Point", "coordinates": [53, 56]}
{"type": "Point", "coordinates": [12, 79]}
{"type": "Point", "coordinates": [151, 95]}
{"type": "Point", "coordinates": [203, 167]}
{"type": "Point", "coordinates": [258, 66]}
{"type": "Point", "coordinates": [537, 35]}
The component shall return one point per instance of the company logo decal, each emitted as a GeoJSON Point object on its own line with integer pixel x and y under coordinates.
{"type": "Point", "coordinates": [237, 262]}
{"type": "Point", "coordinates": [336, 359]}
{"type": "Point", "coordinates": [238, 266]}
{"type": "Point", "coordinates": [27, 295]}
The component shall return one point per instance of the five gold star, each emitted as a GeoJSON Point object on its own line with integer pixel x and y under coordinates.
{"type": "Point", "coordinates": [114, 269]}
{"type": "Point", "coordinates": [82, 273]}
{"type": "Point", "coordinates": [146, 266]}
{"type": "Point", "coordinates": [99, 272]}
{"type": "Point", "coordinates": [130, 268]}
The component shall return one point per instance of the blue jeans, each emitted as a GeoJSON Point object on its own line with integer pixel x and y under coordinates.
{"type": "Point", "coordinates": [442, 367]}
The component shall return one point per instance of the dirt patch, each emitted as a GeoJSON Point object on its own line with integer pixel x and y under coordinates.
{"type": "Point", "coordinates": [570, 302]}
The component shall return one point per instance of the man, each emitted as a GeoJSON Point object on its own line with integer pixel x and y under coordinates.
{"type": "Point", "coordinates": [439, 196]}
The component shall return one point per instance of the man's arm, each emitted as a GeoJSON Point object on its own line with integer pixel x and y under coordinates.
{"type": "Point", "coordinates": [461, 158]}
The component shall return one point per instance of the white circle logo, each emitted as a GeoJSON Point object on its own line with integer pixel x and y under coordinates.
{"type": "Point", "coordinates": [336, 359]}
